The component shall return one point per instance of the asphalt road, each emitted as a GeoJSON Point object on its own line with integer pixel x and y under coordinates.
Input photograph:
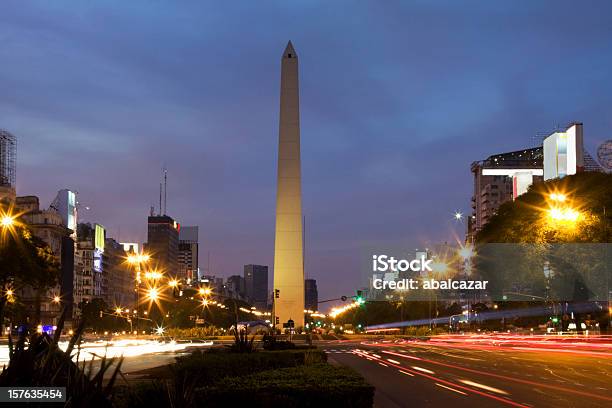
{"type": "Point", "coordinates": [484, 373]}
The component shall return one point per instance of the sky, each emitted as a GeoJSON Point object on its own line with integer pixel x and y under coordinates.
{"type": "Point", "coordinates": [397, 99]}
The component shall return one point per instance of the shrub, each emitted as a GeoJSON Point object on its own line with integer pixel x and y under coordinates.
{"type": "Point", "coordinates": [208, 366]}
{"type": "Point", "coordinates": [271, 343]}
{"type": "Point", "coordinates": [209, 332]}
{"type": "Point", "coordinates": [318, 385]}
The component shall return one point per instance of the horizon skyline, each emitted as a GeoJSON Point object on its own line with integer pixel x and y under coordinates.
{"type": "Point", "coordinates": [89, 110]}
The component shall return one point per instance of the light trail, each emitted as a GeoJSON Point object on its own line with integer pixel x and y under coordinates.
{"type": "Point", "coordinates": [518, 380]}
{"type": "Point", "coordinates": [422, 369]}
{"type": "Point", "coordinates": [117, 348]}
{"type": "Point", "coordinates": [458, 386]}
{"type": "Point", "coordinates": [594, 346]}
{"type": "Point", "coordinates": [484, 387]}
{"type": "Point", "coordinates": [451, 389]}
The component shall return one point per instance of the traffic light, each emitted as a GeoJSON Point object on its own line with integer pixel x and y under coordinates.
{"type": "Point", "coordinates": [101, 313]}
{"type": "Point", "coordinates": [359, 298]}
{"type": "Point", "coordinates": [277, 320]}
{"type": "Point", "coordinates": [277, 293]}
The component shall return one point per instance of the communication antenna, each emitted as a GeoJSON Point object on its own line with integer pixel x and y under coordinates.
{"type": "Point", "coordinates": [165, 189]}
{"type": "Point", "coordinates": [160, 200]}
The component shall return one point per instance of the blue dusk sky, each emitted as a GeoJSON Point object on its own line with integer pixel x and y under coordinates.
{"type": "Point", "coordinates": [397, 99]}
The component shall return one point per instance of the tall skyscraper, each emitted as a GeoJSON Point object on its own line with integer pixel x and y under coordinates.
{"type": "Point", "coordinates": [188, 253]}
{"type": "Point", "coordinates": [65, 204]}
{"type": "Point", "coordinates": [256, 285]}
{"type": "Point", "coordinates": [162, 243]}
{"type": "Point", "coordinates": [501, 178]}
{"type": "Point", "coordinates": [311, 294]}
{"type": "Point", "coordinates": [8, 158]}
{"type": "Point", "coordinates": [288, 251]}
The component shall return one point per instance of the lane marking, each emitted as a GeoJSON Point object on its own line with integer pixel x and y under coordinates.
{"type": "Point", "coordinates": [423, 369]}
{"type": "Point", "coordinates": [451, 389]}
{"type": "Point", "coordinates": [484, 387]}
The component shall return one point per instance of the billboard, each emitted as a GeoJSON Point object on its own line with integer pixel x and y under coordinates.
{"type": "Point", "coordinates": [99, 236]}
{"type": "Point", "coordinates": [564, 153]}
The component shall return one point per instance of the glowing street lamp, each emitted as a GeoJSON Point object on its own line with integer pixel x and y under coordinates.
{"type": "Point", "coordinates": [439, 267]}
{"type": "Point", "coordinates": [558, 197]}
{"type": "Point", "coordinates": [153, 294]}
{"type": "Point", "coordinates": [466, 252]}
{"type": "Point", "coordinates": [7, 221]}
{"type": "Point", "coordinates": [56, 299]}
{"type": "Point", "coordinates": [118, 310]}
{"type": "Point", "coordinates": [458, 216]}
{"type": "Point", "coordinates": [564, 214]}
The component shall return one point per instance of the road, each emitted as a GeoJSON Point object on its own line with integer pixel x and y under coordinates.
{"type": "Point", "coordinates": [482, 371]}
{"type": "Point", "coordinates": [139, 354]}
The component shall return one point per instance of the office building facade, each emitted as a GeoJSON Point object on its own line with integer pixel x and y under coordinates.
{"type": "Point", "coordinates": [256, 285]}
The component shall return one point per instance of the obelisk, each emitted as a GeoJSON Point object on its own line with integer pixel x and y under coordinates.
{"type": "Point", "coordinates": [288, 249]}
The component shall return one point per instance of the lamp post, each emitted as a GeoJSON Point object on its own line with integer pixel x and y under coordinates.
{"type": "Point", "coordinates": [137, 261]}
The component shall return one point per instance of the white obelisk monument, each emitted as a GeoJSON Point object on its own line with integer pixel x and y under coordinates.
{"type": "Point", "coordinates": [288, 249]}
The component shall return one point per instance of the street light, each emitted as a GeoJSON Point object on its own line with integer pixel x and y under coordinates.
{"type": "Point", "coordinates": [558, 197]}
{"type": "Point", "coordinates": [56, 299]}
{"type": "Point", "coordinates": [153, 294]}
{"type": "Point", "coordinates": [458, 215]}
{"type": "Point", "coordinates": [466, 252]}
{"type": "Point", "coordinates": [137, 260]}
{"type": "Point", "coordinates": [7, 221]}
{"type": "Point", "coordinates": [564, 214]}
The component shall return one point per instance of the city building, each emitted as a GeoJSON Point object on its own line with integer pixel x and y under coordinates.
{"type": "Point", "coordinates": [501, 178]}
{"type": "Point", "coordinates": [188, 254]}
{"type": "Point", "coordinates": [49, 227]}
{"type": "Point", "coordinates": [120, 278]}
{"type": "Point", "coordinates": [504, 177]}
{"type": "Point", "coordinates": [311, 294]}
{"type": "Point", "coordinates": [163, 243]}
{"type": "Point", "coordinates": [235, 285]}
{"type": "Point", "coordinates": [90, 278]}
{"type": "Point", "coordinates": [8, 158]}
{"type": "Point", "coordinates": [256, 285]}
{"type": "Point", "coordinates": [83, 271]}
{"type": "Point", "coordinates": [65, 204]}
{"type": "Point", "coordinates": [565, 154]}
{"type": "Point", "coordinates": [288, 247]}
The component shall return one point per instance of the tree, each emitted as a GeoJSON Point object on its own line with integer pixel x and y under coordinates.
{"type": "Point", "coordinates": [543, 265]}
{"type": "Point", "coordinates": [25, 260]}
{"type": "Point", "coordinates": [524, 220]}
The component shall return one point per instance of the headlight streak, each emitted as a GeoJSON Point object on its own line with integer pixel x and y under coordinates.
{"type": "Point", "coordinates": [453, 385]}
{"type": "Point", "coordinates": [504, 377]}
{"type": "Point", "coordinates": [484, 387]}
{"type": "Point", "coordinates": [451, 389]}
{"type": "Point", "coordinates": [118, 348]}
